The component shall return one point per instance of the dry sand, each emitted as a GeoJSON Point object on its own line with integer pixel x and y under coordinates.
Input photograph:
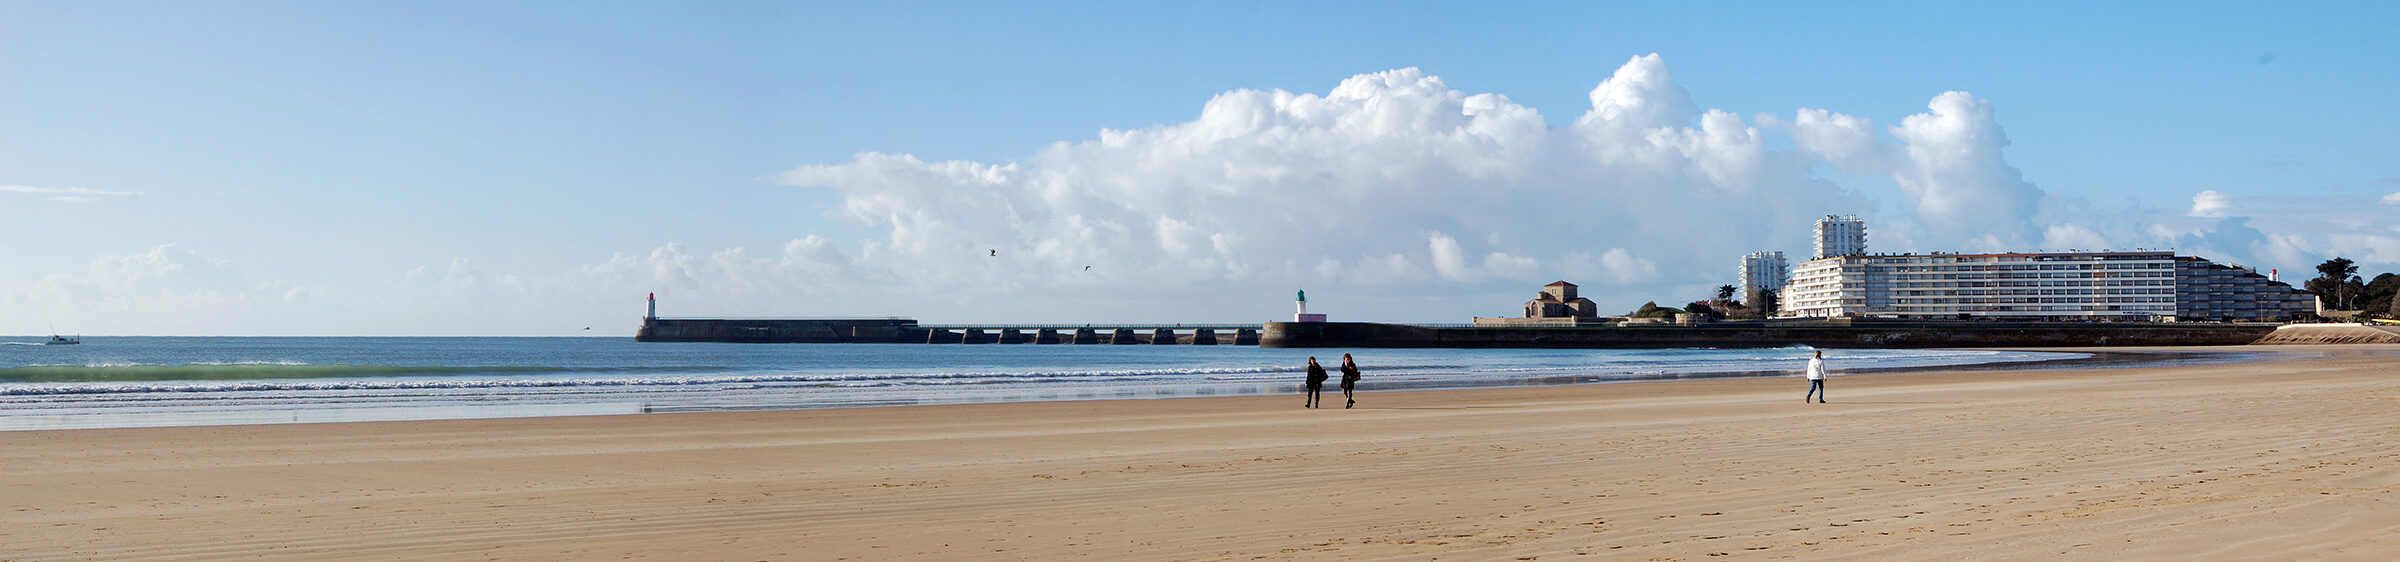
{"type": "Point", "coordinates": [2287, 459]}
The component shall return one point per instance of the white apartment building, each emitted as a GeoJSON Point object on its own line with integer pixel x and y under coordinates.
{"type": "Point", "coordinates": [1843, 235]}
{"type": "Point", "coordinates": [1763, 271]}
{"type": "Point", "coordinates": [2037, 286]}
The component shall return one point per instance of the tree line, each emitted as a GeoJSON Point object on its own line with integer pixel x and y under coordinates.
{"type": "Point", "coordinates": [1762, 304]}
{"type": "Point", "coordinates": [2340, 287]}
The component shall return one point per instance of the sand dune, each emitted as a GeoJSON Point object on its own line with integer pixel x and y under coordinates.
{"type": "Point", "coordinates": [2284, 459]}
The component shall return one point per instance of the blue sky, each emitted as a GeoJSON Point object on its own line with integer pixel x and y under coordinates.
{"type": "Point", "coordinates": [533, 168]}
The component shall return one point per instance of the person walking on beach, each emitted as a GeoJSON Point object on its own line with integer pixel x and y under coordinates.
{"type": "Point", "coordinates": [1316, 381]}
{"type": "Point", "coordinates": [1349, 381]}
{"type": "Point", "coordinates": [1816, 378]}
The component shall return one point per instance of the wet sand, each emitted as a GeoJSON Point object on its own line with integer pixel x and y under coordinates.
{"type": "Point", "coordinates": [2290, 458]}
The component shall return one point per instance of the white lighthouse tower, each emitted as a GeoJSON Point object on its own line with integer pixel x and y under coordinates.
{"type": "Point", "coordinates": [1303, 315]}
{"type": "Point", "coordinates": [653, 307]}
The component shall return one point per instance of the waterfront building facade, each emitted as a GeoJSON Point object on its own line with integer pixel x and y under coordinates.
{"type": "Point", "coordinates": [1762, 272]}
{"type": "Point", "coordinates": [2206, 290]}
{"type": "Point", "coordinates": [2038, 286]}
{"type": "Point", "coordinates": [1840, 235]}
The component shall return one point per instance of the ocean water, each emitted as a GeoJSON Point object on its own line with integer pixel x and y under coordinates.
{"type": "Point", "coordinates": [172, 381]}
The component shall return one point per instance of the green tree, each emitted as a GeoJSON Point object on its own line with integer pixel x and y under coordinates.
{"type": "Point", "coordinates": [1702, 309]}
{"type": "Point", "coordinates": [2337, 281]}
{"type": "Point", "coordinates": [2337, 270]}
{"type": "Point", "coordinates": [2380, 294]}
{"type": "Point", "coordinates": [2384, 285]}
{"type": "Point", "coordinates": [1652, 310]}
{"type": "Point", "coordinates": [1725, 293]}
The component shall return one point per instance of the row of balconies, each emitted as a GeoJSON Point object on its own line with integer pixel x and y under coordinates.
{"type": "Point", "coordinates": [1828, 288]}
{"type": "Point", "coordinates": [1985, 291]}
{"type": "Point", "coordinates": [2204, 309]}
{"type": "Point", "coordinates": [2078, 283]}
{"type": "Point", "coordinates": [1930, 284]}
{"type": "Point", "coordinates": [2037, 299]}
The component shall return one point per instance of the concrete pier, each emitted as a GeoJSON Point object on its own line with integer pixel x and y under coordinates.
{"type": "Point", "coordinates": [901, 330]}
{"type": "Point", "coordinates": [828, 330]}
{"type": "Point", "coordinates": [943, 336]}
{"type": "Point", "coordinates": [1214, 334]}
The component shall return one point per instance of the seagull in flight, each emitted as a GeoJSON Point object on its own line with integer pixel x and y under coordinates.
{"type": "Point", "coordinates": [1087, 268]}
{"type": "Point", "coordinates": [995, 253]}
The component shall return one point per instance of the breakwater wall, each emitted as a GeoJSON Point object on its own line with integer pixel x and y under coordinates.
{"type": "Point", "coordinates": [731, 330]}
{"type": "Point", "coordinates": [1839, 333]}
{"type": "Point", "coordinates": [1088, 335]}
{"type": "Point", "coordinates": [902, 330]}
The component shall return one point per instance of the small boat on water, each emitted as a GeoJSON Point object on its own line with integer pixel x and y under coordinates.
{"type": "Point", "coordinates": [56, 339]}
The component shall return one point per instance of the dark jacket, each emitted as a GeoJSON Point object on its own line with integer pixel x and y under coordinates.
{"type": "Point", "coordinates": [1316, 374]}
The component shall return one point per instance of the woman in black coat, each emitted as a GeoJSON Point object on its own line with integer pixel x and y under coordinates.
{"type": "Point", "coordinates": [1349, 381]}
{"type": "Point", "coordinates": [1316, 381]}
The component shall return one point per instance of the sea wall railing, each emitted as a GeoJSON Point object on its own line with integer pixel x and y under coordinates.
{"type": "Point", "coordinates": [1113, 334]}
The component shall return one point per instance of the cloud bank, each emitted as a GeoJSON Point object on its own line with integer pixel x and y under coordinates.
{"type": "Point", "coordinates": [1394, 186]}
{"type": "Point", "coordinates": [1399, 190]}
{"type": "Point", "coordinates": [1390, 197]}
{"type": "Point", "coordinates": [1391, 186]}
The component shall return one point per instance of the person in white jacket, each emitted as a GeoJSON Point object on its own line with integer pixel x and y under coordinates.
{"type": "Point", "coordinates": [1816, 378]}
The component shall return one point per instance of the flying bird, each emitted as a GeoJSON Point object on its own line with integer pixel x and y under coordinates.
{"type": "Point", "coordinates": [1087, 268]}
{"type": "Point", "coordinates": [995, 253]}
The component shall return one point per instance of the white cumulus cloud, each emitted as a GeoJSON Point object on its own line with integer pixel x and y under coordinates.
{"type": "Point", "coordinates": [1389, 185]}
{"type": "Point", "coordinates": [2211, 204]}
{"type": "Point", "coordinates": [1449, 260]}
{"type": "Point", "coordinates": [1963, 192]}
{"type": "Point", "coordinates": [1390, 196]}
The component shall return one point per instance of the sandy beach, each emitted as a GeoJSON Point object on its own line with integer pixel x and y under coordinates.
{"type": "Point", "coordinates": [2282, 459]}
